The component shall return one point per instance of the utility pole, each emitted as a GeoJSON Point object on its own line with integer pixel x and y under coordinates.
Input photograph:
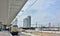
{"type": "Point", "coordinates": [58, 27]}
{"type": "Point", "coordinates": [49, 25]}
{"type": "Point", "coordinates": [36, 24]}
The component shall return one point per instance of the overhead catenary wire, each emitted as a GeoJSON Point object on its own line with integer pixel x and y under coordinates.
{"type": "Point", "coordinates": [31, 5]}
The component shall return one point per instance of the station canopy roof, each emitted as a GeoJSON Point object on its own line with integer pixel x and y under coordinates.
{"type": "Point", "coordinates": [9, 9]}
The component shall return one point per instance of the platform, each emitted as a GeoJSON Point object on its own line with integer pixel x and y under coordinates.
{"type": "Point", "coordinates": [5, 33]}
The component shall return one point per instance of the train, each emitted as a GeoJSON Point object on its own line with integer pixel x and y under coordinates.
{"type": "Point", "coordinates": [14, 30]}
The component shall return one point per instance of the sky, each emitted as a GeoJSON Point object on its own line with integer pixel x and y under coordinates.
{"type": "Point", "coordinates": [41, 11]}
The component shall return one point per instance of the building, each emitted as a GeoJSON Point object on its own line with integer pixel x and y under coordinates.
{"type": "Point", "coordinates": [27, 22]}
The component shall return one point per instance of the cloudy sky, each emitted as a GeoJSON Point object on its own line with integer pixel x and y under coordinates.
{"type": "Point", "coordinates": [41, 11]}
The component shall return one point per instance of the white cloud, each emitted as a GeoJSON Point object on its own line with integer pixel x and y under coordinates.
{"type": "Point", "coordinates": [43, 4]}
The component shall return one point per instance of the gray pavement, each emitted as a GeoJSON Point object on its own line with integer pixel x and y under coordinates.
{"type": "Point", "coordinates": [5, 33]}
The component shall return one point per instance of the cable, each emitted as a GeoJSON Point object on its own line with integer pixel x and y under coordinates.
{"type": "Point", "coordinates": [31, 5]}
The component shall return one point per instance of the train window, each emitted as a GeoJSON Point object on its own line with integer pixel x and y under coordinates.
{"type": "Point", "coordinates": [15, 26]}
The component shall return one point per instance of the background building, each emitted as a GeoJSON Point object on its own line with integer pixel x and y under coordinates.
{"type": "Point", "coordinates": [27, 22]}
